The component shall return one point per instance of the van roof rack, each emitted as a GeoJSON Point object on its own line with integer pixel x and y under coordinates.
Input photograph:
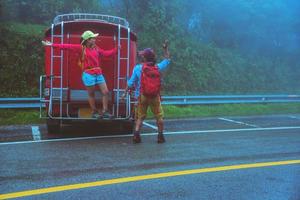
{"type": "Point", "coordinates": [90, 17]}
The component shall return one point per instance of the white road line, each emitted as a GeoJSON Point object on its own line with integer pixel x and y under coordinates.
{"type": "Point", "coordinates": [166, 133]}
{"type": "Point", "coordinates": [36, 133]}
{"type": "Point", "coordinates": [150, 125]}
{"type": "Point", "coordinates": [294, 117]}
{"type": "Point", "coordinates": [235, 130]}
{"type": "Point", "coordinates": [238, 122]}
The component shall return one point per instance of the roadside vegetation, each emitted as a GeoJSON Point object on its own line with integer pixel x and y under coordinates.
{"type": "Point", "coordinates": [256, 53]}
{"type": "Point", "coordinates": [230, 110]}
{"type": "Point", "coordinates": [31, 116]}
{"type": "Point", "coordinates": [19, 116]}
{"type": "Point", "coordinates": [225, 48]}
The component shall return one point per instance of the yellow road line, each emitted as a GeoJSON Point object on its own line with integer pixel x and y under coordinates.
{"type": "Point", "coordinates": [143, 177]}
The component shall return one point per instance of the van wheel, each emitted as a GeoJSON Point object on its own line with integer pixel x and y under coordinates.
{"type": "Point", "coordinates": [53, 126]}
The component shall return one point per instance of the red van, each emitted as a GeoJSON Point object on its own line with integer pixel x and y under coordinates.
{"type": "Point", "coordinates": [61, 88]}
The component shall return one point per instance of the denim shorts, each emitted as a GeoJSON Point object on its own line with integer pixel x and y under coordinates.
{"type": "Point", "coordinates": [92, 79]}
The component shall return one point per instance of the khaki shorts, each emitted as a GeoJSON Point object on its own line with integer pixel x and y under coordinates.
{"type": "Point", "coordinates": [153, 103]}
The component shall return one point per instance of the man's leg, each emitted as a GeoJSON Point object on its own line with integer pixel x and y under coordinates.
{"type": "Point", "coordinates": [160, 126]}
{"type": "Point", "coordinates": [137, 131]}
{"type": "Point", "coordinates": [138, 125]}
{"type": "Point", "coordinates": [157, 110]}
{"type": "Point", "coordinates": [140, 114]}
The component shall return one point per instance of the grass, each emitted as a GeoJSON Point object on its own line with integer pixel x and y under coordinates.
{"type": "Point", "coordinates": [18, 116]}
{"type": "Point", "coordinates": [31, 116]}
{"type": "Point", "coordinates": [230, 110]}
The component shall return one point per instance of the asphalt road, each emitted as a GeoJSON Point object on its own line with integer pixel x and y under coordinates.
{"type": "Point", "coordinates": [261, 156]}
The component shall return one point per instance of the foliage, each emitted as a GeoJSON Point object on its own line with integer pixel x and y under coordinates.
{"type": "Point", "coordinates": [229, 47]}
{"type": "Point", "coordinates": [43, 11]}
{"type": "Point", "coordinates": [220, 48]}
{"type": "Point", "coordinates": [21, 59]}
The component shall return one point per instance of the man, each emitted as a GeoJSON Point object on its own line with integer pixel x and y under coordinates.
{"type": "Point", "coordinates": [148, 96]}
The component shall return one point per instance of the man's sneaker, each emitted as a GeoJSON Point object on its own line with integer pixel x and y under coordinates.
{"type": "Point", "coordinates": [137, 138]}
{"type": "Point", "coordinates": [107, 115]}
{"type": "Point", "coordinates": [161, 138]}
{"type": "Point", "coordinates": [96, 115]}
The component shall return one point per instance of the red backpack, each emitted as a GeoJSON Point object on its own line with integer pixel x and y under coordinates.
{"type": "Point", "coordinates": [150, 81]}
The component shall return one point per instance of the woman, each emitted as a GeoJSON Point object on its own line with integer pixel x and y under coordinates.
{"type": "Point", "coordinates": [92, 76]}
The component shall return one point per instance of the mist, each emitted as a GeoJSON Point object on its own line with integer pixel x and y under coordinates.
{"type": "Point", "coordinates": [263, 27]}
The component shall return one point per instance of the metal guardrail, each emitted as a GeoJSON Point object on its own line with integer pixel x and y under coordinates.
{"type": "Point", "coordinates": [174, 100]}
{"type": "Point", "coordinates": [228, 99]}
{"type": "Point", "coordinates": [33, 102]}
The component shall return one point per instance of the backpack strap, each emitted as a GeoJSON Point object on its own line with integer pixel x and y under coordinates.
{"type": "Point", "coordinates": [144, 65]}
{"type": "Point", "coordinates": [142, 76]}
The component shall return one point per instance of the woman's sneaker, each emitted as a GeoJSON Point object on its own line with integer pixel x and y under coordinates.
{"type": "Point", "coordinates": [96, 115]}
{"type": "Point", "coordinates": [107, 115]}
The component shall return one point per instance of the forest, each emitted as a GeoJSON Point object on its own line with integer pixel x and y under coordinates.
{"type": "Point", "coordinates": [217, 46]}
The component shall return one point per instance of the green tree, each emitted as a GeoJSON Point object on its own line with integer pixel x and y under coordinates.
{"type": "Point", "coordinates": [43, 11]}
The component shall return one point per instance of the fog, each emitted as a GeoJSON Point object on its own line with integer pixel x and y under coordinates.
{"type": "Point", "coordinates": [265, 27]}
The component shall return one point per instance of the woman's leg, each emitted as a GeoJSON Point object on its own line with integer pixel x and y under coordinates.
{"type": "Point", "coordinates": [89, 82]}
{"type": "Point", "coordinates": [105, 92]}
{"type": "Point", "coordinates": [91, 98]}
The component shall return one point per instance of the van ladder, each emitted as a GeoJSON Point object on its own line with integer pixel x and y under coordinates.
{"type": "Point", "coordinates": [123, 78]}
{"type": "Point", "coordinates": [60, 57]}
